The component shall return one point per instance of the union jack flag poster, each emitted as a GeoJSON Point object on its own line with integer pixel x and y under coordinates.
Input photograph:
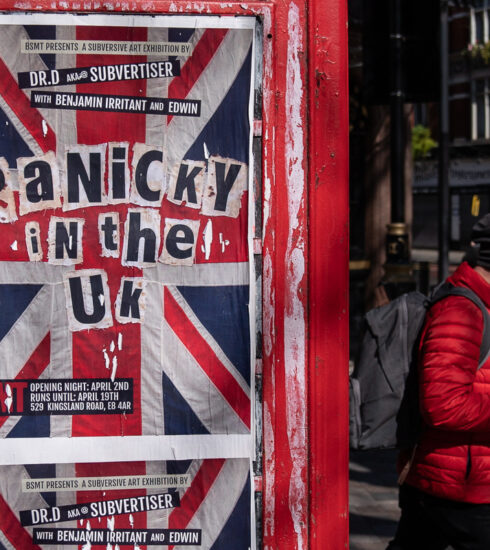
{"type": "Point", "coordinates": [156, 505]}
{"type": "Point", "coordinates": [125, 272]}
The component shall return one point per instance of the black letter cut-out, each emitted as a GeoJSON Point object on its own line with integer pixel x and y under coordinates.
{"type": "Point", "coordinates": [130, 301]}
{"type": "Point", "coordinates": [141, 174]}
{"type": "Point", "coordinates": [79, 310]}
{"type": "Point", "coordinates": [118, 173]}
{"type": "Point", "coordinates": [135, 234]}
{"type": "Point", "coordinates": [224, 184]}
{"type": "Point", "coordinates": [91, 183]}
{"type": "Point", "coordinates": [108, 227]}
{"type": "Point", "coordinates": [173, 240]}
{"type": "Point", "coordinates": [62, 240]}
{"type": "Point", "coordinates": [40, 188]}
{"type": "Point", "coordinates": [34, 240]}
{"type": "Point", "coordinates": [186, 181]}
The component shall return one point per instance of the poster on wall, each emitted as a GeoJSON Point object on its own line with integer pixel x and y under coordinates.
{"type": "Point", "coordinates": [195, 504]}
{"type": "Point", "coordinates": [125, 272]}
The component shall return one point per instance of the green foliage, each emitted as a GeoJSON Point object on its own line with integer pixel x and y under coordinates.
{"type": "Point", "coordinates": [422, 142]}
{"type": "Point", "coordinates": [479, 52]}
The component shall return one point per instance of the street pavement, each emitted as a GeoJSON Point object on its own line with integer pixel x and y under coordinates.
{"type": "Point", "coordinates": [373, 493]}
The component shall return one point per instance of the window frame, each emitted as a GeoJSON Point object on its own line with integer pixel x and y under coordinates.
{"type": "Point", "coordinates": [474, 108]}
{"type": "Point", "coordinates": [484, 9]}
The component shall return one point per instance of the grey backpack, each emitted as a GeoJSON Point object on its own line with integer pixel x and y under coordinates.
{"type": "Point", "coordinates": [383, 401]}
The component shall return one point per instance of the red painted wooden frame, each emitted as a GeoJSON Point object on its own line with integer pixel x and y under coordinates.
{"type": "Point", "coordinates": [305, 257]}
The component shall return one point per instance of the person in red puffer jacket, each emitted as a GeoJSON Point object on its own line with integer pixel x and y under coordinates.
{"type": "Point", "coordinates": [445, 498]}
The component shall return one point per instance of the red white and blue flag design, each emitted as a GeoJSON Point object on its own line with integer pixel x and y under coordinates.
{"type": "Point", "coordinates": [126, 313]}
{"type": "Point", "coordinates": [216, 504]}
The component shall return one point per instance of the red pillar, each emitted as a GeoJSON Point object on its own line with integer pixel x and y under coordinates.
{"type": "Point", "coordinates": [328, 275]}
{"type": "Point", "coordinates": [306, 278]}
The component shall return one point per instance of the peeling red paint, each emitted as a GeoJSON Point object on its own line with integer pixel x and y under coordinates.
{"type": "Point", "coordinates": [141, 6]}
{"type": "Point", "coordinates": [285, 402]}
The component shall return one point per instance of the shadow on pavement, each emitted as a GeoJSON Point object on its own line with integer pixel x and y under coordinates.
{"type": "Point", "coordinates": [373, 499]}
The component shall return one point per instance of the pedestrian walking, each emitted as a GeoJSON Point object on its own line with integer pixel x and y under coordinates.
{"type": "Point", "coordinates": [445, 480]}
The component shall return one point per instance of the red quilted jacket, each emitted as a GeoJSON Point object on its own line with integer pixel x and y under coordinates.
{"type": "Point", "coordinates": [452, 459]}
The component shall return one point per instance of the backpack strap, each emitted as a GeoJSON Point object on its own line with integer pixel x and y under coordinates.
{"type": "Point", "coordinates": [447, 289]}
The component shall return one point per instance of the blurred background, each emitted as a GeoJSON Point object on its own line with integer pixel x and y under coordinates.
{"type": "Point", "coordinates": [419, 73]}
{"type": "Point", "coordinates": [419, 77]}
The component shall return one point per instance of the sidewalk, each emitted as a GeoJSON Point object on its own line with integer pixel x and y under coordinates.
{"type": "Point", "coordinates": [373, 499]}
